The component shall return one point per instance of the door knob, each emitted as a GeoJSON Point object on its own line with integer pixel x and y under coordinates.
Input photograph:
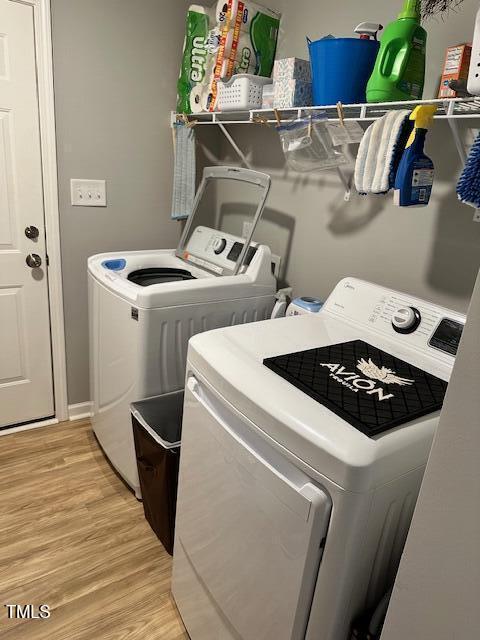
{"type": "Point", "coordinates": [34, 261]}
{"type": "Point", "coordinates": [32, 232]}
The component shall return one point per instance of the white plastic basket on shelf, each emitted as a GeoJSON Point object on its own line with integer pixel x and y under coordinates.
{"type": "Point", "coordinates": [241, 92]}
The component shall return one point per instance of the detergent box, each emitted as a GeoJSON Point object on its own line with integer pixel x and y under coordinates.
{"type": "Point", "coordinates": [457, 63]}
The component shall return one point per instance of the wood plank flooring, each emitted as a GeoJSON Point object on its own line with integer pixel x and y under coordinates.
{"type": "Point", "coordinates": [72, 536]}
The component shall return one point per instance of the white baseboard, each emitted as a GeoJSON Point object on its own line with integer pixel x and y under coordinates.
{"type": "Point", "coordinates": [79, 411]}
{"type": "Point", "coordinates": [28, 427]}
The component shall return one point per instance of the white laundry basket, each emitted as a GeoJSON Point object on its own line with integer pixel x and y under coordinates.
{"type": "Point", "coordinates": [241, 92]}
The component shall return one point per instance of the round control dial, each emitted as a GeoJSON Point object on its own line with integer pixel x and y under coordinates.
{"type": "Point", "coordinates": [219, 245]}
{"type": "Point", "coordinates": [406, 320]}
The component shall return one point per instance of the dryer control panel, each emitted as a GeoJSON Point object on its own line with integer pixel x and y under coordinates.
{"type": "Point", "coordinates": [447, 336]}
{"type": "Point", "coordinates": [422, 324]}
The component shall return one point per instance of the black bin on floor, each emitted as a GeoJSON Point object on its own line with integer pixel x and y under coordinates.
{"type": "Point", "coordinates": [157, 424]}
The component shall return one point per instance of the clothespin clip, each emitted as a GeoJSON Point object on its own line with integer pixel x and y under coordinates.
{"type": "Point", "coordinates": [180, 119]}
{"type": "Point", "coordinates": [278, 117]}
{"type": "Point", "coordinates": [259, 119]}
{"type": "Point", "coordinates": [310, 125]}
{"type": "Point", "coordinates": [188, 123]}
{"type": "Point", "coordinates": [341, 113]}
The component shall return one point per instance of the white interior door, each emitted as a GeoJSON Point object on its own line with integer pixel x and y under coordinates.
{"type": "Point", "coordinates": [26, 390]}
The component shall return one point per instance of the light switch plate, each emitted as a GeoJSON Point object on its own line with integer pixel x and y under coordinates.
{"type": "Point", "coordinates": [88, 193]}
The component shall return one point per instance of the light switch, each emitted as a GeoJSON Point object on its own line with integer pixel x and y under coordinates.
{"type": "Point", "coordinates": [88, 193]}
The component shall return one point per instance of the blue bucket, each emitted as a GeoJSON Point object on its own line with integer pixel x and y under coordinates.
{"type": "Point", "coordinates": [341, 68]}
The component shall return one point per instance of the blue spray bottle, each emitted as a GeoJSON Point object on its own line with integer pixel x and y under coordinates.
{"type": "Point", "coordinates": [414, 179]}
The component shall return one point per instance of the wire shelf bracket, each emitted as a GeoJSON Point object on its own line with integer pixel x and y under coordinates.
{"type": "Point", "coordinates": [235, 146]}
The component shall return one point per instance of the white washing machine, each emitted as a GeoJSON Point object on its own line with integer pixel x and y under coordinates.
{"type": "Point", "coordinates": [144, 307]}
{"type": "Point", "coordinates": [303, 449]}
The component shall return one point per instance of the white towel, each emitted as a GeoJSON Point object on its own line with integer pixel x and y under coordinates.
{"type": "Point", "coordinates": [377, 152]}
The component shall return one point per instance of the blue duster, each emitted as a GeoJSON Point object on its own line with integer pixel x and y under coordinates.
{"type": "Point", "coordinates": [468, 187]}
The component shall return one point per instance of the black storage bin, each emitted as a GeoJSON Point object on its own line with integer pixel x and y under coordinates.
{"type": "Point", "coordinates": [157, 424]}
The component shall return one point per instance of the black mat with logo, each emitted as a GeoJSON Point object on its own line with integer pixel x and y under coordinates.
{"type": "Point", "coordinates": [388, 391]}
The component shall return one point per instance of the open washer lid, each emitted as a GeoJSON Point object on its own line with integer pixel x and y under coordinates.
{"type": "Point", "coordinates": [253, 193]}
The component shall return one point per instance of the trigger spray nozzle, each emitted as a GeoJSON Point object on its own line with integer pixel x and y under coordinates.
{"type": "Point", "coordinates": [367, 30]}
{"type": "Point", "coordinates": [422, 116]}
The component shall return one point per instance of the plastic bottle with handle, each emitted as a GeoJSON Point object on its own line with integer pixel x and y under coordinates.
{"type": "Point", "coordinates": [399, 71]}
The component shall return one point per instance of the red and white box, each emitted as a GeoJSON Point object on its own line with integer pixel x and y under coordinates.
{"type": "Point", "coordinates": [457, 64]}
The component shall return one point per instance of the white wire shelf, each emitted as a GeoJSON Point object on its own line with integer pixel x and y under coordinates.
{"type": "Point", "coordinates": [458, 108]}
{"type": "Point", "coordinates": [453, 110]}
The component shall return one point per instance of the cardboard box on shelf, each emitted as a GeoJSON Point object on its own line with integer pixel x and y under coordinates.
{"type": "Point", "coordinates": [457, 63]}
{"type": "Point", "coordinates": [292, 93]}
{"type": "Point", "coordinates": [292, 69]}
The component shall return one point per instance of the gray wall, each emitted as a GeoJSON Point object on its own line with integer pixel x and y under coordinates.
{"type": "Point", "coordinates": [436, 591]}
{"type": "Point", "coordinates": [431, 252]}
{"type": "Point", "coordinates": [115, 69]}
{"type": "Point", "coordinates": [116, 64]}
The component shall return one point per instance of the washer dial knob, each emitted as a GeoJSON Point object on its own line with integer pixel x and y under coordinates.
{"type": "Point", "coordinates": [219, 245]}
{"type": "Point", "coordinates": [406, 320]}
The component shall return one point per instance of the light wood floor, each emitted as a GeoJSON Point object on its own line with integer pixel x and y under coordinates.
{"type": "Point", "coordinates": [73, 536]}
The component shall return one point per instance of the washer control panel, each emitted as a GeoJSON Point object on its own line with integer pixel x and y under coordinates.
{"type": "Point", "coordinates": [219, 245]}
{"type": "Point", "coordinates": [424, 325]}
{"type": "Point", "coordinates": [216, 250]}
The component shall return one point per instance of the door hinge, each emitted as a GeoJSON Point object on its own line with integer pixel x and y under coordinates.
{"type": "Point", "coordinates": [47, 260]}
